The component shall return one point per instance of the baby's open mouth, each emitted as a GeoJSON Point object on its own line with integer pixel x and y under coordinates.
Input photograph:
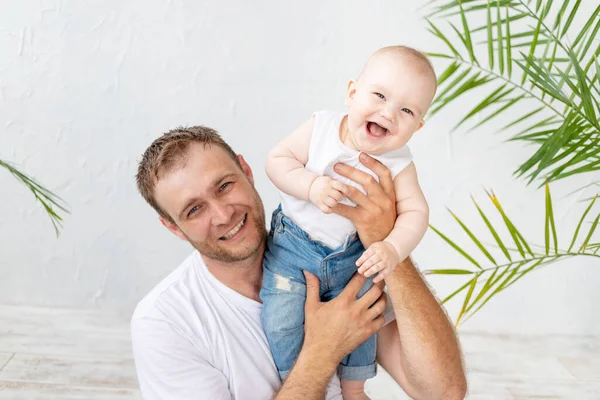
{"type": "Point", "coordinates": [376, 130]}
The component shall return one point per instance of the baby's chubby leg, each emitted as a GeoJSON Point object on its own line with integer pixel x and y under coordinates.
{"type": "Point", "coordinates": [354, 390]}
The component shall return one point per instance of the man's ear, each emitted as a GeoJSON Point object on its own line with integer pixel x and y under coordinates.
{"type": "Point", "coordinates": [350, 92]}
{"type": "Point", "coordinates": [246, 168]}
{"type": "Point", "coordinates": [173, 228]}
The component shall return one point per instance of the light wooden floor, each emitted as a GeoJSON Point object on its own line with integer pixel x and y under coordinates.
{"type": "Point", "coordinates": [77, 354]}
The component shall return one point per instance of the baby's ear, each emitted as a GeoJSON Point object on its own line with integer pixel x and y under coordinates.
{"type": "Point", "coordinates": [420, 125]}
{"type": "Point", "coordinates": [350, 92]}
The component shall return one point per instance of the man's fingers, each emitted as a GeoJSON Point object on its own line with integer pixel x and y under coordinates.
{"type": "Point", "coordinates": [378, 323]}
{"type": "Point", "coordinates": [375, 190]}
{"type": "Point", "coordinates": [312, 290]}
{"type": "Point", "coordinates": [383, 172]}
{"type": "Point", "coordinates": [357, 196]}
{"type": "Point", "coordinates": [353, 174]}
{"type": "Point", "coordinates": [354, 286]}
{"type": "Point", "coordinates": [345, 211]}
{"type": "Point", "coordinates": [378, 308]}
{"type": "Point", "coordinates": [371, 296]}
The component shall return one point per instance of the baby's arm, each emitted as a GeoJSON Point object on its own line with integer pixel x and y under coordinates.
{"type": "Point", "coordinates": [286, 169]}
{"type": "Point", "coordinates": [410, 227]}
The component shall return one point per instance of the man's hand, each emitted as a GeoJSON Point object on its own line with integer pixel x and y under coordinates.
{"type": "Point", "coordinates": [380, 258]}
{"type": "Point", "coordinates": [337, 327]}
{"type": "Point", "coordinates": [375, 213]}
{"type": "Point", "coordinates": [331, 331]}
{"type": "Point", "coordinates": [325, 193]}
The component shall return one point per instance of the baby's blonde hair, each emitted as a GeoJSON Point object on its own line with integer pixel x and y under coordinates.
{"type": "Point", "coordinates": [409, 53]}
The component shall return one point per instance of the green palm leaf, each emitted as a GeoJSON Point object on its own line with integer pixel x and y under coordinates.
{"type": "Point", "coordinates": [587, 210]}
{"type": "Point", "coordinates": [560, 15]}
{"type": "Point", "coordinates": [492, 99]}
{"type": "Point", "coordinates": [501, 21]}
{"type": "Point", "coordinates": [468, 41]}
{"type": "Point", "coordinates": [53, 205]}
{"type": "Point", "coordinates": [498, 277]}
{"type": "Point", "coordinates": [474, 239]}
{"type": "Point", "coordinates": [563, 77]}
{"type": "Point", "coordinates": [457, 291]}
{"type": "Point", "coordinates": [550, 226]}
{"type": "Point", "coordinates": [490, 38]}
{"type": "Point", "coordinates": [509, 61]}
{"type": "Point", "coordinates": [589, 235]}
{"type": "Point", "coordinates": [504, 107]}
{"type": "Point", "coordinates": [455, 246]}
{"type": "Point", "coordinates": [571, 16]}
{"type": "Point", "coordinates": [522, 118]}
{"type": "Point", "coordinates": [492, 231]}
{"type": "Point", "coordinates": [584, 31]}
{"type": "Point", "coordinates": [466, 302]}
{"type": "Point", "coordinates": [514, 232]}
{"type": "Point", "coordinates": [586, 95]}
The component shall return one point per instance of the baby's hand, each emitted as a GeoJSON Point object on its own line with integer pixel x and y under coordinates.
{"type": "Point", "coordinates": [325, 193]}
{"type": "Point", "coordinates": [380, 258]}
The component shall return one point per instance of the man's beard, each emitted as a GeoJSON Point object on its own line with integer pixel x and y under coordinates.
{"type": "Point", "coordinates": [255, 221]}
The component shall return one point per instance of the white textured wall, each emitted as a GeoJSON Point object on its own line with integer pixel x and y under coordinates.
{"type": "Point", "coordinates": [85, 87]}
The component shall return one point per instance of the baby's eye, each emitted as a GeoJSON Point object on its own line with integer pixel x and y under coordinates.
{"type": "Point", "coordinates": [382, 97]}
{"type": "Point", "coordinates": [406, 110]}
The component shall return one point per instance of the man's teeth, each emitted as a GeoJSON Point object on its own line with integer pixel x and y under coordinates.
{"type": "Point", "coordinates": [235, 229]}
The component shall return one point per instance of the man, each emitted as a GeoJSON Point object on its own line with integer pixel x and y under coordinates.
{"type": "Point", "coordinates": [197, 335]}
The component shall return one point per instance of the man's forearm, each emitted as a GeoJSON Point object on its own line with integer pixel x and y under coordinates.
{"type": "Point", "coordinates": [309, 377]}
{"type": "Point", "coordinates": [431, 354]}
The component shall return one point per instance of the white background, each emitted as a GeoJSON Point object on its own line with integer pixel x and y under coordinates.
{"type": "Point", "coordinates": [86, 86]}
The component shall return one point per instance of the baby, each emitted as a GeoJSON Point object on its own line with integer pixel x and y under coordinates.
{"type": "Point", "coordinates": [386, 104]}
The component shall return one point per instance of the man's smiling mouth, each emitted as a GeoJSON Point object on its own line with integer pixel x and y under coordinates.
{"type": "Point", "coordinates": [235, 229]}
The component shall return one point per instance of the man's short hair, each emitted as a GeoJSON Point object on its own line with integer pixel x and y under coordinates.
{"type": "Point", "coordinates": [170, 151]}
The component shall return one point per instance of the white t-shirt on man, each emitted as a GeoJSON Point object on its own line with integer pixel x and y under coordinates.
{"type": "Point", "coordinates": [195, 338]}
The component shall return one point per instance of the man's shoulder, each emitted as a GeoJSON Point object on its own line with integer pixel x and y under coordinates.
{"type": "Point", "coordinates": [151, 306]}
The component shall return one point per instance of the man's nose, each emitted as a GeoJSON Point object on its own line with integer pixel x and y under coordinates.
{"type": "Point", "coordinates": [221, 213]}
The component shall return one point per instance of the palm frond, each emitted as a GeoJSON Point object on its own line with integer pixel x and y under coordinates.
{"type": "Point", "coordinates": [53, 205]}
{"type": "Point", "coordinates": [520, 261]}
{"type": "Point", "coordinates": [587, 210]}
{"type": "Point", "coordinates": [562, 76]}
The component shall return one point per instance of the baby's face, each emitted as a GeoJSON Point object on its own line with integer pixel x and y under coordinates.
{"type": "Point", "coordinates": [387, 103]}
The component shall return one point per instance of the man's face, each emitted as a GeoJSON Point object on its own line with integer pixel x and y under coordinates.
{"type": "Point", "coordinates": [214, 205]}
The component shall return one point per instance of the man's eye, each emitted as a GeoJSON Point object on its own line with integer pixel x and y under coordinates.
{"type": "Point", "coordinates": [192, 210]}
{"type": "Point", "coordinates": [224, 186]}
{"type": "Point", "coordinates": [406, 110]}
{"type": "Point", "coordinates": [379, 95]}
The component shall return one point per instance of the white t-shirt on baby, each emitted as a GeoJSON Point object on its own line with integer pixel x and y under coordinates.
{"type": "Point", "coordinates": [326, 149]}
